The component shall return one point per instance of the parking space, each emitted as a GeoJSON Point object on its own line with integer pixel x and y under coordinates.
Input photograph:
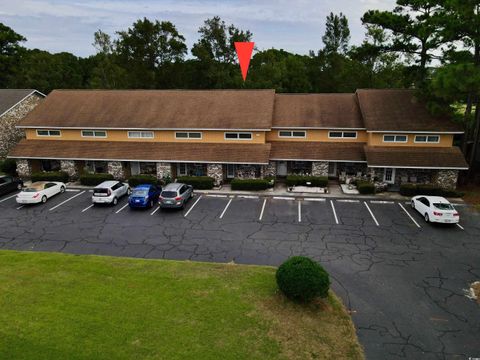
{"type": "Point", "coordinates": [280, 210]}
{"type": "Point", "coordinates": [353, 213]}
{"type": "Point", "coordinates": [318, 212]}
{"type": "Point", "coordinates": [392, 214]}
{"type": "Point", "coordinates": [243, 209]}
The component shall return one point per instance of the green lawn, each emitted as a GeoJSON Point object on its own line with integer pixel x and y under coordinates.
{"type": "Point", "coordinates": [57, 306]}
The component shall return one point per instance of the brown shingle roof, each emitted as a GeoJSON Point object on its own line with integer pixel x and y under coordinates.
{"type": "Point", "coordinates": [399, 110]}
{"type": "Point", "coordinates": [155, 109]}
{"type": "Point", "coordinates": [317, 151]}
{"type": "Point", "coordinates": [415, 157]}
{"type": "Point", "coordinates": [134, 151]}
{"type": "Point", "coordinates": [317, 111]}
{"type": "Point", "coordinates": [10, 97]}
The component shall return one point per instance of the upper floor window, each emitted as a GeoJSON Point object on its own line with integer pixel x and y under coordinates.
{"type": "Point", "coordinates": [238, 136]}
{"type": "Point", "coordinates": [292, 134]}
{"type": "Point", "coordinates": [49, 133]}
{"type": "Point", "coordinates": [395, 138]}
{"type": "Point", "coordinates": [94, 133]}
{"type": "Point", "coordinates": [140, 134]}
{"type": "Point", "coordinates": [427, 139]}
{"type": "Point", "coordinates": [188, 135]}
{"type": "Point", "coordinates": [342, 134]}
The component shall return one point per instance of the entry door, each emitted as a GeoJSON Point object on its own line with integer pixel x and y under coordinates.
{"type": "Point", "coordinates": [135, 168]}
{"type": "Point", "coordinates": [281, 168]}
{"type": "Point", "coordinates": [332, 169]}
{"type": "Point", "coordinates": [230, 171]}
{"type": "Point", "coordinates": [389, 175]}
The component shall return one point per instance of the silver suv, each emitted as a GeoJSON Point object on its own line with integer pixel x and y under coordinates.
{"type": "Point", "coordinates": [175, 195]}
{"type": "Point", "coordinates": [108, 192]}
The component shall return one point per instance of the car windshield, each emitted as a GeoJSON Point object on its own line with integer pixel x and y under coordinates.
{"type": "Point", "coordinates": [169, 194]}
{"type": "Point", "coordinates": [29, 190]}
{"type": "Point", "coordinates": [139, 192]}
{"type": "Point", "coordinates": [441, 206]}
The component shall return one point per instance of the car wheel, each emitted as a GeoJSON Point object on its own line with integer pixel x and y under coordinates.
{"type": "Point", "coordinates": [44, 199]}
{"type": "Point", "coordinates": [115, 201]}
{"type": "Point", "coordinates": [62, 189]}
{"type": "Point", "coordinates": [19, 187]}
{"type": "Point", "coordinates": [413, 204]}
{"type": "Point", "coordinates": [427, 219]}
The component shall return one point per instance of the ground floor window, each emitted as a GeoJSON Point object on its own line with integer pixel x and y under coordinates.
{"type": "Point", "coordinates": [299, 167]}
{"type": "Point", "coordinates": [148, 168]}
{"type": "Point", "coordinates": [188, 169]}
{"type": "Point", "coordinates": [243, 171]}
{"type": "Point", "coordinates": [96, 166]}
{"type": "Point", "coordinates": [51, 165]}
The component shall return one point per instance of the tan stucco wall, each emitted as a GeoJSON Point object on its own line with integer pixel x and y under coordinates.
{"type": "Point", "coordinates": [376, 139]}
{"type": "Point", "coordinates": [316, 135]}
{"type": "Point", "coordinates": [160, 136]}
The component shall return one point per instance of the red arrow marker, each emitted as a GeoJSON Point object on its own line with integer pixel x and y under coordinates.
{"type": "Point", "coordinates": [244, 53]}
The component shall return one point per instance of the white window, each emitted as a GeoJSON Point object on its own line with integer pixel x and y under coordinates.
{"type": "Point", "coordinates": [342, 134]}
{"type": "Point", "coordinates": [49, 133]}
{"type": "Point", "coordinates": [395, 138]}
{"type": "Point", "coordinates": [140, 134]}
{"type": "Point", "coordinates": [94, 133]}
{"type": "Point", "coordinates": [188, 135]}
{"type": "Point", "coordinates": [182, 169]}
{"type": "Point", "coordinates": [238, 136]}
{"type": "Point", "coordinates": [427, 139]}
{"type": "Point", "coordinates": [292, 134]}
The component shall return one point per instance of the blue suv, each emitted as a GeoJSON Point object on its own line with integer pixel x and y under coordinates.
{"type": "Point", "coordinates": [144, 196]}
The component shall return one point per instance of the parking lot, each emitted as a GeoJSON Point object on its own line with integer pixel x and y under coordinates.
{"type": "Point", "coordinates": [402, 279]}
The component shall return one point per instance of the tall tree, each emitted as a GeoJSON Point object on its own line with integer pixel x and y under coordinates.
{"type": "Point", "coordinates": [9, 53]}
{"type": "Point", "coordinates": [337, 34]}
{"type": "Point", "coordinates": [414, 28]}
{"type": "Point", "coordinates": [146, 46]}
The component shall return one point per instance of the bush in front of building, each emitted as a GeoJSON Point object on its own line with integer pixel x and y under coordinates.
{"type": "Point", "coordinates": [300, 180]}
{"type": "Point", "coordinates": [8, 166]}
{"type": "Point", "coordinates": [136, 180]}
{"type": "Point", "coordinates": [426, 189]}
{"type": "Point", "coordinates": [365, 187]}
{"type": "Point", "coordinates": [198, 182]}
{"type": "Point", "coordinates": [250, 184]}
{"type": "Point", "coordinates": [94, 179]}
{"type": "Point", "coordinates": [50, 176]}
{"type": "Point", "coordinates": [302, 279]}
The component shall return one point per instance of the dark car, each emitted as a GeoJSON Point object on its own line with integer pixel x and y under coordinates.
{"type": "Point", "coordinates": [143, 196]}
{"type": "Point", "coordinates": [9, 184]}
{"type": "Point", "coordinates": [175, 195]}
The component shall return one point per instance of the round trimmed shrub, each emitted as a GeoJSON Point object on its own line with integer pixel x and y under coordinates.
{"type": "Point", "coordinates": [302, 279]}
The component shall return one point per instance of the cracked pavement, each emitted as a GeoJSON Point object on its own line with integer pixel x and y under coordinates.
{"type": "Point", "coordinates": [403, 285]}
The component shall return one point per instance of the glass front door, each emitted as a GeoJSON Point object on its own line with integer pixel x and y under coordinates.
{"type": "Point", "coordinates": [389, 175]}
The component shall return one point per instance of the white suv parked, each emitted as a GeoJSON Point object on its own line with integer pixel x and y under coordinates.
{"type": "Point", "coordinates": [109, 192]}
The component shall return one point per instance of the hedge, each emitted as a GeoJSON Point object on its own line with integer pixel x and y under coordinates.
{"type": "Point", "coordinates": [250, 184]}
{"type": "Point", "coordinates": [50, 176]}
{"type": "Point", "coordinates": [94, 179]}
{"type": "Point", "coordinates": [426, 189]}
{"type": "Point", "coordinates": [299, 180]}
{"type": "Point", "coordinates": [365, 187]}
{"type": "Point", "coordinates": [8, 166]}
{"type": "Point", "coordinates": [136, 180]}
{"type": "Point", "coordinates": [198, 182]}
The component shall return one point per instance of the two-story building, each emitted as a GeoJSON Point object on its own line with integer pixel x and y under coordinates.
{"type": "Point", "coordinates": [383, 134]}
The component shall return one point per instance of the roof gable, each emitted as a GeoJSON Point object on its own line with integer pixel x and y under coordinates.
{"type": "Point", "coordinates": [11, 97]}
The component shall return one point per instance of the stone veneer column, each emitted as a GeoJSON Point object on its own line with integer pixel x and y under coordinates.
{"type": "Point", "coordinates": [269, 170]}
{"type": "Point", "coordinates": [446, 179]}
{"type": "Point", "coordinates": [215, 171]}
{"type": "Point", "coordinates": [164, 170]}
{"type": "Point", "coordinates": [69, 167]}
{"type": "Point", "coordinates": [24, 169]}
{"type": "Point", "coordinates": [320, 168]}
{"type": "Point", "coordinates": [115, 168]}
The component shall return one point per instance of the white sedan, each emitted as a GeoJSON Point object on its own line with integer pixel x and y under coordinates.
{"type": "Point", "coordinates": [435, 209]}
{"type": "Point", "coordinates": [40, 192]}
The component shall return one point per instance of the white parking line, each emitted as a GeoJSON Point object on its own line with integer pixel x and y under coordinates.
{"type": "Point", "coordinates": [72, 190]}
{"type": "Point", "coordinates": [334, 212]}
{"type": "Point", "coordinates": [226, 207]}
{"type": "Point", "coordinates": [21, 206]}
{"type": "Point", "coordinates": [70, 198]}
{"type": "Point", "coordinates": [299, 211]}
{"type": "Point", "coordinates": [460, 226]}
{"type": "Point", "coordinates": [8, 198]}
{"type": "Point", "coordinates": [410, 216]}
{"type": "Point", "coordinates": [116, 212]}
{"type": "Point", "coordinates": [381, 202]}
{"type": "Point", "coordinates": [348, 201]}
{"type": "Point", "coordinates": [195, 203]}
{"type": "Point", "coordinates": [263, 209]}
{"type": "Point", "coordinates": [371, 213]}
{"type": "Point", "coordinates": [283, 198]}
{"type": "Point", "coordinates": [248, 196]}
{"type": "Point", "coordinates": [216, 196]}
{"type": "Point", "coordinates": [154, 211]}
{"type": "Point", "coordinates": [87, 208]}
{"type": "Point", "coordinates": [315, 199]}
